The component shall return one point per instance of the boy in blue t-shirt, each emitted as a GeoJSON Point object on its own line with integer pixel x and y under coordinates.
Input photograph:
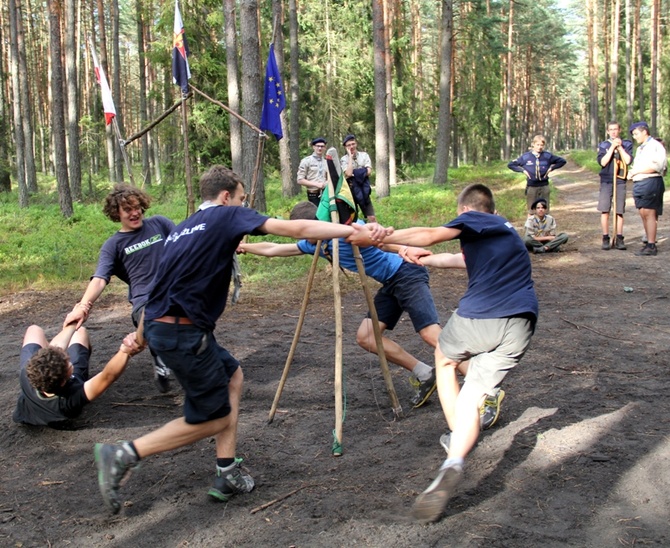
{"type": "Point", "coordinates": [491, 328]}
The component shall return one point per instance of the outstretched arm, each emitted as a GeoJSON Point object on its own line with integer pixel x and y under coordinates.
{"type": "Point", "coordinates": [269, 249]}
{"type": "Point", "coordinates": [95, 386]}
{"type": "Point", "coordinates": [422, 236]}
{"type": "Point", "coordinates": [317, 230]}
{"type": "Point", "coordinates": [81, 310]}
{"type": "Point", "coordinates": [444, 260]}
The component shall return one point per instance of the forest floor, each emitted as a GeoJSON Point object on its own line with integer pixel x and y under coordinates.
{"type": "Point", "coordinates": [580, 456]}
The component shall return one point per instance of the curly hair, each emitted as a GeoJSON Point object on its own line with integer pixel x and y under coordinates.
{"type": "Point", "coordinates": [217, 179]}
{"type": "Point", "coordinates": [48, 369]}
{"type": "Point", "coordinates": [125, 195]}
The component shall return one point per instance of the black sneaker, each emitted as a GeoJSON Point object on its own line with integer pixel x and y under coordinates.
{"type": "Point", "coordinates": [230, 481]}
{"type": "Point", "coordinates": [618, 243]}
{"type": "Point", "coordinates": [490, 411]}
{"type": "Point", "coordinates": [606, 243]}
{"type": "Point", "coordinates": [431, 503]}
{"type": "Point", "coordinates": [161, 376]}
{"type": "Point", "coordinates": [424, 389]}
{"type": "Point", "coordinates": [114, 462]}
{"type": "Point", "coordinates": [649, 249]}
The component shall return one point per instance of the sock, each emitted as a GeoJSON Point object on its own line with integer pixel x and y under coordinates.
{"type": "Point", "coordinates": [456, 461]}
{"type": "Point", "coordinates": [606, 236]}
{"type": "Point", "coordinates": [422, 371]}
{"type": "Point", "coordinates": [224, 463]}
{"type": "Point", "coordinates": [130, 447]}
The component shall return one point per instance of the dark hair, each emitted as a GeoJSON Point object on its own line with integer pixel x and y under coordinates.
{"type": "Point", "coordinates": [477, 197]}
{"type": "Point", "coordinates": [303, 210]}
{"type": "Point", "coordinates": [123, 195]}
{"type": "Point", "coordinates": [47, 370]}
{"type": "Point", "coordinates": [217, 179]}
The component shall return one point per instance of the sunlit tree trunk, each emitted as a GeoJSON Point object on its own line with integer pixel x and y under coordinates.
{"type": "Point", "coordinates": [388, 23]}
{"type": "Point", "coordinates": [640, 66]}
{"type": "Point", "coordinates": [629, 72]}
{"type": "Point", "coordinates": [653, 84]}
{"type": "Point", "coordinates": [614, 57]}
{"type": "Point", "coordinates": [146, 162]}
{"type": "Point", "coordinates": [507, 151]}
{"type": "Point", "coordinates": [230, 14]}
{"type": "Point", "coordinates": [294, 96]}
{"type": "Point", "coordinates": [592, 34]}
{"type": "Point", "coordinates": [116, 84]}
{"type": "Point", "coordinates": [382, 188]}
{"type": "Point", "coordinates": [74, 157]}
{"type": "Point", "coordinates": [57, 108]}
{"type": "Point", "coordinates": [444, 115]}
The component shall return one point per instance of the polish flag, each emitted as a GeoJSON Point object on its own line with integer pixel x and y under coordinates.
{"type": "Point", "coordinates": [107, 100]}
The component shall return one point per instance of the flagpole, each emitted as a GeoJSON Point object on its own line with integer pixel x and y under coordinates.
{"type": "Point", "coordinates": [124, 153]}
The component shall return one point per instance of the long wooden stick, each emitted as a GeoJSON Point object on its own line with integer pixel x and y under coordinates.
{"type": "Point", "coordinates": [157, 121]}
{"type": "Point", "coordinates": [296, 336]}
{"type": "Point", "coordinates": [614, 185]}
{"type": "Point", "coordinates": [190, 207]}
{"type": "Point", "coordinates": [227, 109]}
{"type": "Point", "coordinates": [383, 363]}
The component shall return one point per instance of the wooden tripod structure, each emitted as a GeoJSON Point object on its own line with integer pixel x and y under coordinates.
{"type": "Point", "coordinates": [383, 363]}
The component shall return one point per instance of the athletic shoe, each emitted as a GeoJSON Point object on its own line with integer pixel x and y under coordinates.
{"type": "Point", "coordinates": [606, 243]}
{"type": "Point", "coordinates": [431, 503]}
{"type": "Point", "coordinates": [230, 481]}
{"type": "Point", "coordinates": [490, 411]}
{"type": "Point", "coordinates": [114, 462]}
{"type": "Point", "coordinates": [424, 389]}
{"type": "Point", "coordinates": [161, 376]}
{"type": "Point", "coordinates": [649, 249]}
{"type": "Point", "coordinates": [445, 441]}
{"type": "Point", "coordinates": [618, 243]}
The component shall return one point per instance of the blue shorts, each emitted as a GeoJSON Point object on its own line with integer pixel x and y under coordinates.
{"type": "Point", "coordinates": [648, 194]}
{"type": "Point", "coordinates": [201, 365]}
{"type": "Point", "coordinates": [79, 356]}
{"type": "Point", "coordinates": [407, 291]}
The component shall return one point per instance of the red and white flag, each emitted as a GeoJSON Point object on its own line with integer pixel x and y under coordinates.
{"type": "Point", "coordinates": [107, 100]}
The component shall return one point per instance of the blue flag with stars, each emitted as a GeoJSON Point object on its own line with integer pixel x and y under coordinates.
{"type": "Point", "coordinates": [274, 100]}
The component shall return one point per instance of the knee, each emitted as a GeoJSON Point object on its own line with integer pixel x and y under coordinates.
{"type": "Point", "coordinates": [365, 337]}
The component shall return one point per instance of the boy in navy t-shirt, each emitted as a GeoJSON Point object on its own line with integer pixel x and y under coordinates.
{"type": "Point", "coordinates": [491, 328]}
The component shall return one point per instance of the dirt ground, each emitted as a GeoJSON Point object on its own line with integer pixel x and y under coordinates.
{"type": "Point", "coordinates": [580, 456]}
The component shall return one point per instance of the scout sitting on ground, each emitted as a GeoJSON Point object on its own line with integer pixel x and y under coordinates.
{"type": "Point", "coordinates": [405, 288]}
{"type": "Point", "coordinates": [54, 382]}
{"type": "Point", "coordinates": [540, 234]}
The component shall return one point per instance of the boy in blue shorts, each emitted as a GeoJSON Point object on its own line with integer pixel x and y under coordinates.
{"type": "Point", "coordinates": [405, 289]}
{"type": "Point", "coordinates": [491, 328]}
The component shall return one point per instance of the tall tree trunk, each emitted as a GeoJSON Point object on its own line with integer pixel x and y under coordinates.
{"type": "Point", "coordinates": [229, 10]}
{"type": "Point", "coordinates": [592, 32]}
{"type": "Point", "coordinates": [19, 138]}
{"type": "Point", "coordinates": [507, 150]}
{"type": "Point", "coordinates": [640, 66]}
{"type": "Point", "coordinates": [388, 23]}
{"type": "Point", "coordinates": [111, 138]}
{"type": "Point", "coordinates": [444, 114]}
{"type": "Point", "coordinates": [653, 84]}
{"type": "Point", "coordinates": [116, 84]}
{"type": "Point", "coordinates": [71, 49]}
{"type": "Point", "coordinates": [614, 57]}
{"type": "Point", "coordinates": [252, 97]}
{"type": "Point", "coordinates": [629, 73]}
{"type": "Point", "coordinates": [57, 108]}
{"type": "Point", "coordinates": [146, 160]}
{"type": "Point", "coordinates": [294, 91]}
{"type": "Point", "coordinates": [26, 106]}
{"type": "Point", "coordinates": [382, 188]}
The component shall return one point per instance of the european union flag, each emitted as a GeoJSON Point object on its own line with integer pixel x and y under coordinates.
{"type": "Point", "coordinates": [274, 101]}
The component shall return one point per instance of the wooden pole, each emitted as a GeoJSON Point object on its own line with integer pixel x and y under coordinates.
{"type": "Point", "coordinates": [157, 121]}
{"type": "Point", "coordinates": [190, 208]}
{"type": "Point", "coordinates": [614, 185]}
{"type": "Point", "coordinates": [383, 363]}
{"type": "Point", "coordinates": [296, 336]}
{"type": "Point", "coordinates": [126, 160]}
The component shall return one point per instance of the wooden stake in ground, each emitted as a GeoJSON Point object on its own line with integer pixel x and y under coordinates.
{"type": "Point", "coordinates": [615, 216]}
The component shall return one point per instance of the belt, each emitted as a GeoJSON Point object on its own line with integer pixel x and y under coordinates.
{"type": "Point", "coordinates": [174, 319]}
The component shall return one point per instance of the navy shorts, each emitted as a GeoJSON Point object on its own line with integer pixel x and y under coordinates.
{"type": "Point", "coordinates": [78, 353]}
{"type": "Point", "coordinates": [407, 291]}
{"type": "Point", "coordinates": [201, 365]}
{"type": "Point", "coordinates": [648, 194]}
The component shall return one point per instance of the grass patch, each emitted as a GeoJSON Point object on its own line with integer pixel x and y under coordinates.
{"type": "Point", "coordinates": [40, 249]}
{"type": "Point", "coordinates": [587, 159]}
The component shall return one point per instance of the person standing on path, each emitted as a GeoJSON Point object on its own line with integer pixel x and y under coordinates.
{"type": "Point", "coordinates": [312, 171]}
{"type": "Point", "coordinates": [536, 164]}
{"type": "Point", "coordinates": [647, 173]}
{"type": "Point", "coordinates": [614, 156]}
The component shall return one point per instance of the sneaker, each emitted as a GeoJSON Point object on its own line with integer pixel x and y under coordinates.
{"type": "Point", "coordinates": [161, 376]}
{"type": "Point", "coordinates": [445, 441]}
{"type": "Point", "coordinates": [424, 389]}
{"type": "Point", "coordinates": [649, 249]}
{"type": "Point", "coordinates": [431, 503]}
{"type": "Point", "coordinates": [230, 481]}
{"type": "Point", "coordinates": [490, 411]}
{"type": "Point", "coordinates": [618, 243]}
{"type": "Point", "coordinates": [114, 462]}
{"type": "Point", "coordinates": [606, 243]}
{"type": "Point", "coordinates": [542, 249]}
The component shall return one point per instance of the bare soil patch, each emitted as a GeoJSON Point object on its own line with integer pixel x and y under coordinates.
{"type": "Point", "coordinates": [579, 458]}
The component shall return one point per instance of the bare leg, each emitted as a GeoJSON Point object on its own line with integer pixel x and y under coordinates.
{"type": "Point", "coordinates": [226, 440]}
{"type": "Point", "coordinates": [35, 335]}
{"type": "Point", "coordinates": [649, 219]}
{"type": "Point", "coordinates": [605, 223]}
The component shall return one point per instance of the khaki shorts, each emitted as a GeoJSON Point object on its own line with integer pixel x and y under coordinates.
{"type": "Point", "coordinates": [493, 346]}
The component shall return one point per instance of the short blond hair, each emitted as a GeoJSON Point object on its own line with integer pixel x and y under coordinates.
{"type": "Point", "coordinates": [539, 139]}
